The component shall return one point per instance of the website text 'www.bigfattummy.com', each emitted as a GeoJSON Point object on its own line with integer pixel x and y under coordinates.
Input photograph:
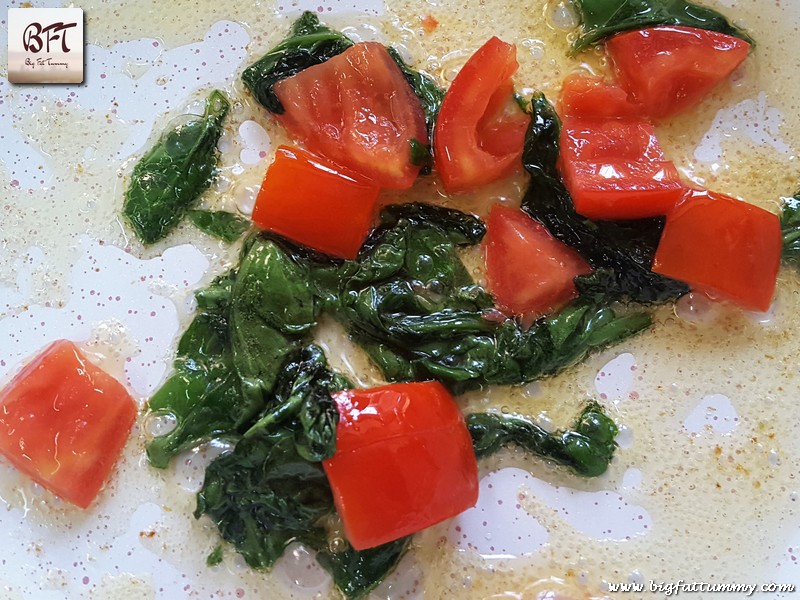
{"type": "Point", "coordinates": [674, 588]}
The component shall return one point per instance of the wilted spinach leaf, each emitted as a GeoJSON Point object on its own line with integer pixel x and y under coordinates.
{"type": "Point", "coordinates": [224, 225]}
{"type": "Point", "coordinates": [790, 227]}
{"type": "Point", "coordinates": [272, 307]}
{"type": "Point", "coordinates": [203, 395]}
{"type": "Point", "coordinates": [587, 448]}
{"type": "Point", "coordinates": [603, 18]}
{"type": "Point", "coordinates": [301, 401]}
{"type": "Point", "coordinates": [173, 174]}
{"type": "Point", "coordinates": [357, 573]}
{"type": "Point", "coordinates": [264, 495]}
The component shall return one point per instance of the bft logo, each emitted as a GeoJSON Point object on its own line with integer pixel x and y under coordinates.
{"type": "Point", "coordinates": [45, 45]}
{"type": "Point", "coordinates": [32, 39]}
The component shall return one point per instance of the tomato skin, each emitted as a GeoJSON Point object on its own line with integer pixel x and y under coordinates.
{"type": "Point", "coordinates": [404, 461]}
{"type": "Point", "coordinates": [609, 139]}
{"type": "Point", "coordinates": [315, 203]}
{"type": "Point", "coordinates": [529, 272]}
{"type": "Point", "coordinates": [64, 422]}
{"type": "Point", "coordinates": [724, 247]}
{"type": "Point", "coordinates": [592, 98]}
{"type": "Point", "coordinates": [358, 110]}
{"type": "Point", "coordinates": [615, 169]}
{"type": "Point", "coordinates": [476, 141]}
{"type": "Point", "coordinates": [671, 69]}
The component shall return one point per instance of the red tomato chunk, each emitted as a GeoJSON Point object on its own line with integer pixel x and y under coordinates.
{"type": "Point", "coordinates": [315, 203]}
{"type": "Point", "coordinates": [480, 131]}
{"type": "Point", "coordinates": [404, 461]}
{"type": "Point", "coordinates": [528, 271]}
{"type": "Point", "coordinates": [671, 69]}
{"type": "Point", "coordinates": [64, 421]}
{"type": "Point", "coordinates": [613, 167]}
{"type": "Point", "coordinates": [724, 247]}
{"type": "Point", "coordinates": [593, 98]}
{"type": "Point", "coordinates": [358, 110]}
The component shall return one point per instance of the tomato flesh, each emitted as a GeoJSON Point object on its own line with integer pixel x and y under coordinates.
{"type": "Point", "coordinates": [64, 421]}
{"type": "Point", "coordinates": [724, 247]}
{"type": "Point", "coordinates": [479, 132]}
{"type": "Point", "coordinates": [315, 203]}
{"type": "Point", "coordinates": [592, 98]}
{"type": "Point", "coordinates": [671, 69]}
{"type": "Point", "coordinates": [404, 461]}
{"type": "Point", "coordinates": [529, 272]}
{"type": "Point", "coordinates": [358, 110]}
{"type": "Point", "coordinates": [612, 165]}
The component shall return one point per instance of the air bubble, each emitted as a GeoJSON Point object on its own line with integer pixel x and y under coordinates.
{"type": "Point", "coordinates": [564, 17]}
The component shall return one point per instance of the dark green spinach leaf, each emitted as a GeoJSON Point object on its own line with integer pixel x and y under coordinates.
{"type": "Point", "coordinates": [603, 18]}
{"type": "Point", "coordinates": [221, 224]}
{"type": "Point", "coordinates": [173, 174]}
{"type": "Point", "coordinates": [587, 448]}
{"type": "Point", "coordinates": [309, 43]}
{"type": "Point", "coordinates": [272, 308]}
{"type": "Point", "coordinates": [302, 402]}
{"type": "Point", "coordinates": [357, 573]}
{"type": "Point", "coordinates": [621, 252]}
{"type": "Point", "coordinates": [271, 490]}
{"type": "Point", "coordinates": [790, 227]}
{"type": "Point", "coordinates": [228, 360]}
{"type": "Point", "coordinates": [264, 495]}
{"type": "Point", "coordinates": [203, 395]}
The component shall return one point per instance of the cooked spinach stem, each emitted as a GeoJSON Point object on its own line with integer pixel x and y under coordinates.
{"type": "Point", "coordinates": [224, 225]}
{"type": "Point", "coordinates": [175, 172]}
{"type": "Point", "coordinates": [587, 447]}
{"type": "Point", "coordinates": [603, 18]}
{"type": "Point", "coordinates": [790, 229]}
{"type": "Point", "coordinates": [309, 43]}
{"type": "Point", "coordinates": [621, 252]}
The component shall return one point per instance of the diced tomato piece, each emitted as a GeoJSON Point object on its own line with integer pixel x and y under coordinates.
{"type": "Point", "coordinates": [404, 461]}
{"type": "Point", "coordinates": [592, 98]}
{"type": "Point", "coordinates": [671, 69]}
{"type": "Point", "coordinates": [316, 203]}
{"type": "Point", "coordinates": [724, 247]}
{"type": "Point", "coordinates": [358, 110]}
{"type": "Point", "coordinates": [600, 139]}
{"type": "Point", "coordinates": [64, 421]}
{"type": "Point", "coordinates": [615, 169]}
{"type": "Point", "coordinates": [480, 130]}
{"type": "Point", "coordinates": [529, 272]}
